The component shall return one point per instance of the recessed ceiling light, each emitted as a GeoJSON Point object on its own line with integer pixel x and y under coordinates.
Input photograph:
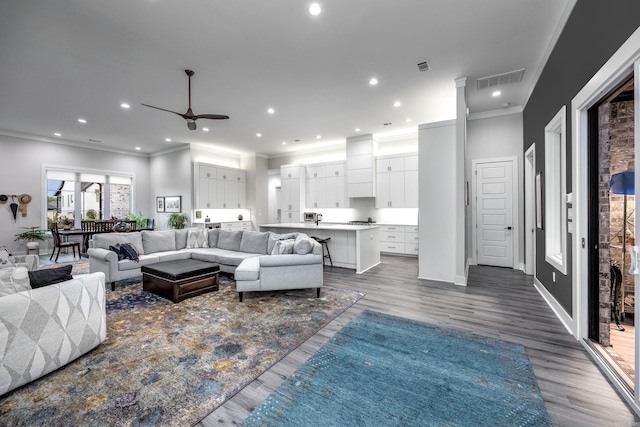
{"type": "Point", "coordinates": [125, 105]}
{"type": "Point", "coordinates": [168, 139]}
{"type": "Point", "coordinates": [315, 9]}
{"type": "Point", "coordinates": [318, 136]}
{"type": "Point", "coordinates": [357, 129]}
{"type": "Point", "coordinates": [137, 148]}
{"type": "Point", "coordinates": [284, 143]}
{"type": "Point", "coordinates": [373, 81]}
{"type": "Point", "coordinates": [258, 134]}
{"type": "Point", "coordinates": [271, 111]}
{"type": "Point", "coordinates": [397, 104]}
{"type": "Point", "coordinates": [205, 129]}
{"type": "Point", "coordinates": [83, 121]}
{"type": "Point", "coordinates": [496, 93]}
{"type": "Point", "coordinates": [57, 134]}
{"type": "Point", "coordinates": [407, 120]}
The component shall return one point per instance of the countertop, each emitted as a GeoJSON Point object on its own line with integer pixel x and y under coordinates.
{"type": "Point", "coordinates": [321, 226]}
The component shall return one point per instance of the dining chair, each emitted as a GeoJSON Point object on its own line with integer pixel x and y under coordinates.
{"type": "Point", "coordinates": [59, 244]}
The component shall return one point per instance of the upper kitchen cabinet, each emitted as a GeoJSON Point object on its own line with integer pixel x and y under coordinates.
{"type": "Point", "coordinates": [217, 187]}
{"type": "Point", "coordinates": [397, 181]}
{"type": "Point", "coordinates": [361, 168]}
{"type": "Point", "coordinates": [327, 185]}
{"type": "Point", "coordinates": [292, 192]}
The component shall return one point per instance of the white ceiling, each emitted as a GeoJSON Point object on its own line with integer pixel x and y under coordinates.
{"type": "Point", "coordinates": [65, 59]}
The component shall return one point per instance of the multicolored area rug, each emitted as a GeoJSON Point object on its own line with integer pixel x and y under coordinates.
{"type": "Point", "coordinates": [381, 370]}
{"type": "Point", "coordinates": [172, 364]}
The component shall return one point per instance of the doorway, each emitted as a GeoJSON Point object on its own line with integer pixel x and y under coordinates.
{"type": "Point", "coordinates": [611, 290]}
{"type": "Point", "coordinates": [495, 213]}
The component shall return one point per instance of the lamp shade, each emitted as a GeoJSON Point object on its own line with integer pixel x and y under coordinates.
{"type": "Point", "coordinates": [623, 183]}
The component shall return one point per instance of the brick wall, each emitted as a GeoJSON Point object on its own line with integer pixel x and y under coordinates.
{"type": "Point", "coordinates": [616, 154]}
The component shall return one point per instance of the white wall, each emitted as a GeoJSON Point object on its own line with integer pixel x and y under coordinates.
{"type": "Point", "coordinates": [172, 176]}
{"type": "Point", "coordinates": [437, 201]}
{"type": "Point", "coordinates": [22, 172]}
{"type": "Point", "coordinates": [495, 137]}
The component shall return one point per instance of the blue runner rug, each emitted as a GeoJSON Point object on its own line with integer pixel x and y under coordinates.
{"type": "Point", "coordinates": [381, 370]}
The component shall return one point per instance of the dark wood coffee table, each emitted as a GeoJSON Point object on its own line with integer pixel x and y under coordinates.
{"type": "Point", "coordinates": [180, 279]}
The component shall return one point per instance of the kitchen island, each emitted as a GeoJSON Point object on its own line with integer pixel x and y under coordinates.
{"type": "Point", "coordinates": [351, 246]}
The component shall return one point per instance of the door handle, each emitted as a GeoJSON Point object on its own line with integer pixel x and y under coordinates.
{"type": "Point", "coordinates": [507, 228]}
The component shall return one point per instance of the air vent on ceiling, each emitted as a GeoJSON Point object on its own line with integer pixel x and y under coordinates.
{"type": "Point", "coordinates": [500, 79]}
{"type": "Point", "coordinates": [423, 66]}
{"type": "Point", "coordinates": [95, 140]}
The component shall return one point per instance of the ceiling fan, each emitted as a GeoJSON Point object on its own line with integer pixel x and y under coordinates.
{"type": "Point", "coordinates": [189, 116]}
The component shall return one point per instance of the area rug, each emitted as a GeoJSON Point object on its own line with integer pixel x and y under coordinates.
{"type": "Point", "coordinates": [172, 364]}
{"type": "Point", "coordinates": [381, 370]}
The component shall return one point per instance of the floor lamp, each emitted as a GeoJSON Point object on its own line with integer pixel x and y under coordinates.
{"type": "Point", "coordinates": [623, 183]}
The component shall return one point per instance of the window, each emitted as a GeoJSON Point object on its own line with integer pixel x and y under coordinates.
{"type": "Point", "coordinates": [101, 196]}
{"type": "Point", "coordinates": [555, 189]}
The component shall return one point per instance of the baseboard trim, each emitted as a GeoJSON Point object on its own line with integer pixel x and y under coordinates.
{"type": "Point", "coordinates": [560, 312]}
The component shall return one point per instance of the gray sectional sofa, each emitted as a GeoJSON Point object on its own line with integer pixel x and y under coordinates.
{"type": "Point", "coordinates": [260, 261]}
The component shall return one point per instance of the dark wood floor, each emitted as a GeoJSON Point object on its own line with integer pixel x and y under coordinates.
{"type": "Point", "coordinates": [497, 302]}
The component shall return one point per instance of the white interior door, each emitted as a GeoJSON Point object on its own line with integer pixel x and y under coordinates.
{"type": "Point", "coordinates": [494, 213]}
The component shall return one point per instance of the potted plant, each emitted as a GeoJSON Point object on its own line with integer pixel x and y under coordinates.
{"type": "Point", "coordinates": [177, 220]}
{"type": "Point", "coordinates": [31, 235]}
{"type": "Point", "coordinates": [66, 222]}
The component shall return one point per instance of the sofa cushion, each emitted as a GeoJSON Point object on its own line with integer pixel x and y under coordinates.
{"type": "Point", "coordinates": [181, 238]}
{"type": "Point", "coordinates": [13, 280]}
{"type": "Point", "coordinates": [229, 240]}
{"type": "Point", "coordinates": [283, 247]}
{"type": "Point", "coordinates": [220, 256]}
{"type": "Point", "coordinates": [173, 255]}
{"type": "Point", "coordinates": [254, 242]}
{"type": "Point", "coordinates": [158, 241]}
{"type": "Point", "coordinates": [213, 237]}
{"type": "Point", "coordinates": [197, 238]}
{"type": "Point", "coordinates": [303, 244]}
{"type": "Point", "coordinates": [49, 276]}
{"type": "Point", "coordinates": [249, 269]}
{"type": "Point", "coordinates": [128, 264]}
{"type": "Point", "coordinates": [273, 238]}
{"type": "Point", "coordinates": [105, 240]}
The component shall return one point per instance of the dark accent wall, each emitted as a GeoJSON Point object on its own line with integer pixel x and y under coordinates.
{"type": "Point", "coordinates": [593, 33]}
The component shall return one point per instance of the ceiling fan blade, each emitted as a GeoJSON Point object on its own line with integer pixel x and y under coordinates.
{"type": "Point", "coordinates": [211, 116]}
{"type": "Point", "coordinates": [164, 109]}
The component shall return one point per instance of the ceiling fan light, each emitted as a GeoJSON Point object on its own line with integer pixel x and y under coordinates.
{"type": "Point", "coordinates": [191, 124]}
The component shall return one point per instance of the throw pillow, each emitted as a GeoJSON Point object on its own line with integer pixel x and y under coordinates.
{"type": "Point", "coordinates": [197, 238]}
{"type": "Point", "coordinates": [49, 276]}
{"type": "Point", "coordinates": [273, 238]}
{"type": "Point", "coordinates": [283, 247]}
{"type": "Point", "coordinates": [302, 245]}
{"type": "Point", "coordinates": [129, 252]}
{"type": "Point", "coordinates": [13, 279]}
{"type": "Point", "coordinates": [116, 248]}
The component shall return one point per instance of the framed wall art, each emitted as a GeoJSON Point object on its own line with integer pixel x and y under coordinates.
{"type": "Point", "coordinates": [159, 204]}
{"type": "Point", "coordinates": [173, 204]}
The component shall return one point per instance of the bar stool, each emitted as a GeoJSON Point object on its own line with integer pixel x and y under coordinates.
{"type": "Point", "coordinates": [325, 245]}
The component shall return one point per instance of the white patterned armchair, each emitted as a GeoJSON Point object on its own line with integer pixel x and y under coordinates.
{"type": "Point", "coordinates": [45, 328]}
{"type": "Point", "coordinates": [32, 262]}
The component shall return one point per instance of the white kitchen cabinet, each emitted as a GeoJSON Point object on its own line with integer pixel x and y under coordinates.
{"type": "Point", "coordinates": [326, 186]}
{"type": "Point", "coordinates": [217, 187]}
{"type": "Point", "coordinates": [397, 181]}
{"type": "Point", "coordinates": [399, 239]}
{"type": "Point", "coordinates": [292, 192]}
{"type": "Point", "coordinates": [236, 226]}
{"type": "Point", "coordinates": [361, 168]}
